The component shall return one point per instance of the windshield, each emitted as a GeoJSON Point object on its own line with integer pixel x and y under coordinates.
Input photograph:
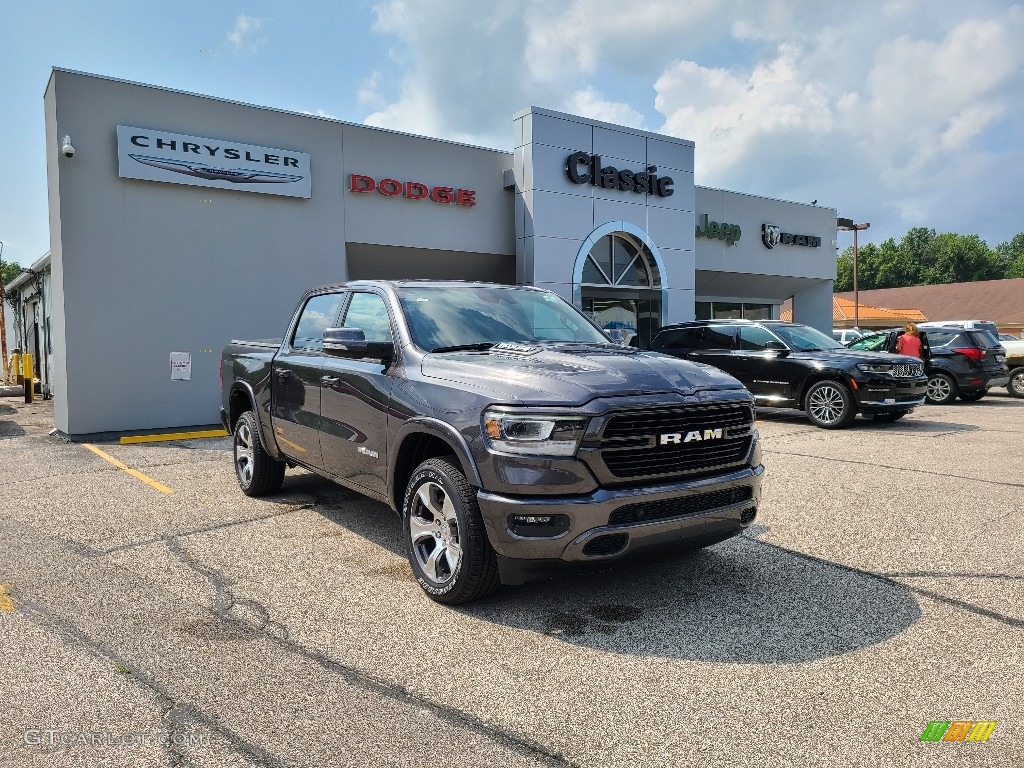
{"type": "Point", "coordinates": [472, 316]}
{"type": "Point", "coordinates": [803, 338]}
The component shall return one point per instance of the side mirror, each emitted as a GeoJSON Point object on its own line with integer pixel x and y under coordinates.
{"type": "Point", "coordinates": [351, 344]}
{"type": "Point", "coordinates": [777, 346]}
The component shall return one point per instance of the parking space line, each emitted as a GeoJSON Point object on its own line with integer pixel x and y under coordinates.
{"type": "Point", "coordinates": [133, 472]}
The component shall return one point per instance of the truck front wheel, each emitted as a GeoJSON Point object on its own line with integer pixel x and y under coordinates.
{"type": "Point", "coordinates": [1016, 385]}
{"type": "Point", "coordinates": [258, 473]}
{"type": "Point", "coordinates": [445, 539]}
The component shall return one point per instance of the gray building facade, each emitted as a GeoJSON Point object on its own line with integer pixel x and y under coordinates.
{"type": "Point", "coordinates": [182, 221]}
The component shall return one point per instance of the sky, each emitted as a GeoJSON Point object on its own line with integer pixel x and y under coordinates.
{"type": "Point", "coordinates": [901, 113]}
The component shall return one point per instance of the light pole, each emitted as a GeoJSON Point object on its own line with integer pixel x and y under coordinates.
{"type": "Point", "coordinates": [847, 225]}
{"type": "Point", "coordinates": [3, 324]}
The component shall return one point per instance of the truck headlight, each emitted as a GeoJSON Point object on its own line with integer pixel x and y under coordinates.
{"type": "Point", "coordinates": [532, 434]}
{"type": "Point", "coordinates": [875, 368]}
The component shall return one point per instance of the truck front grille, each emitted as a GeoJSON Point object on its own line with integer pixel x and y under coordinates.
{"type": "Point", "coordinates": [678, 441]}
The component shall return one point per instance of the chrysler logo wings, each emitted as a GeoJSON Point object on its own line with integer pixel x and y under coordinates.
{"type": "Point", "coordinates": [204, 171]}
{"type": "Point", "coordinates": [693, 436]}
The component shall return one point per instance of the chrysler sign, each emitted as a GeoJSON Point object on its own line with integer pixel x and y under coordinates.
{"type": "Point", "coordinates": [177, 158]}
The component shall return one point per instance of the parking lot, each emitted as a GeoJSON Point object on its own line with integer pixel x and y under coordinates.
{"type": "Point", "coordinates": [163, 618]}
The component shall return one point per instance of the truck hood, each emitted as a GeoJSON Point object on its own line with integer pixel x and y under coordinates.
{"type": "Point", "coordinates": [571, 374]}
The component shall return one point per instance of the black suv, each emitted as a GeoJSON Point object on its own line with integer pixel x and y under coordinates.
{"type": "Point", "coordinates": [795, 366]}
{"type": "Point", "coordinates": [958, 361]}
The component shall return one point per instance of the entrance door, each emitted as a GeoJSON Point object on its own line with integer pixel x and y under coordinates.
{"type": "Point", "coordinates": [620, 289]}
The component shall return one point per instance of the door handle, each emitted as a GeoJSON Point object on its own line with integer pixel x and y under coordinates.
{"type": "Point", "coordinates": [281, 374]}
{"type": "Point", "coordinates": [329, 381]}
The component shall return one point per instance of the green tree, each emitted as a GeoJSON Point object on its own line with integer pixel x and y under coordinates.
{"type": "Point", "coordinates": [1011, 256]}
{"type": "Point", "coordinates": [962, 259]}
{"type": "Point", "coordinates": [9, 270]}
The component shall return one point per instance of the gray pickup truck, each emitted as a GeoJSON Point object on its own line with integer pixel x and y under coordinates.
{"type": "Point", "coordinates": [512, 437]}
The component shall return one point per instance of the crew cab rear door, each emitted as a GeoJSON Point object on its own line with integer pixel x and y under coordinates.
{"type": "Point", "coordinates": [354, 399]}
{"type": "Point", "coordinates": [296, 370]}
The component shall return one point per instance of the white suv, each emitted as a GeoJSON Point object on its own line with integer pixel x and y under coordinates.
{"type": "Point", "coordinates": [845, 335]}
{"type": "Point", "coordinates": [967, 325]}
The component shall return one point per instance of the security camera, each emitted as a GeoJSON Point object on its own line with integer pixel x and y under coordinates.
{"type": "Point", "coordinates": [68, 149]}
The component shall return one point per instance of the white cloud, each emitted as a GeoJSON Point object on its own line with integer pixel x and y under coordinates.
{"type": "Point", "coordinates": [245, 37]}
{"type": "Point", "coordinates": [588, 103]}
{"type": "Point", "coordinates": [881, 109]}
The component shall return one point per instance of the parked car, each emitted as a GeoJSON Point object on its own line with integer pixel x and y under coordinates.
{"type": "Point", "coordinates": [845, 335]}
{"type": "Point", "coordinates": [509, 433]}
{"type": "Point", "coordinates": [1007, 337]}
{"type": "Point", "coordinates": [958, 362]}
{"type": "Point", "coordinates": [790, 365]}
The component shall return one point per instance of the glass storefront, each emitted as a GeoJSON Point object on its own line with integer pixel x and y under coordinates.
{"type": "Point", "coordinates": [733, 310]}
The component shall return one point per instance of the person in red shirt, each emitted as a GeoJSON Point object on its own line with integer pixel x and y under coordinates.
{"type": "Point", "coordinates": [909, 342]}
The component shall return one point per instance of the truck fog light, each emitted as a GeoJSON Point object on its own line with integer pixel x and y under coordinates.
{"type": "Point", "coordinates": [538, 526]}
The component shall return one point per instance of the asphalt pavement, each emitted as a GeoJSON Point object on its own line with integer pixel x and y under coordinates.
{"type": "Point", "coordinates": [179, 623]}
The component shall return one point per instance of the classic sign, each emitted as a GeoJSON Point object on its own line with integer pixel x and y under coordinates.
{"type": "Point", "coordinates": [584, 168]}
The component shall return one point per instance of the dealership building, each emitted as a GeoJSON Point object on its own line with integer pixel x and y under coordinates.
{"type": "Point", "coordinates": [179, 222]}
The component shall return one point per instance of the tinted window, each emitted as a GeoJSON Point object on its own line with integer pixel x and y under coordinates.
{"type": "Point", "coordinates": [755, 337]}
{"type": "Point", "coordinates": [941, 338]}
{"type": "Point", "coordinates": [984, 339]}
{"type": "Point", "coordinates": [803, 338]}
{"type": "Point", "coordinates": [679, 338]}
{"type": "Point", "coordinates": [369, 313]}
{"type": "Point", "coordinates": [717, 337]}
{"type": "Point", "coordinates": [317, 316]}
{"type": "Point", "coordinates": [874, 343]}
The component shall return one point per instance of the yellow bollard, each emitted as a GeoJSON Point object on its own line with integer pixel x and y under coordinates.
{"type": "Point", "coordinates": [14, 371]}
{"type": "Point", "coordinates": [27, 374]}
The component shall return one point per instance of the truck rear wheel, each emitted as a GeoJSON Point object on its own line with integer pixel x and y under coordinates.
{"type": "Point", "coordinates": [445, 538]}
{"type": "Point", "coordinates": [1016, 385]}
{"type": "Point", "coordinates": [258, 473]}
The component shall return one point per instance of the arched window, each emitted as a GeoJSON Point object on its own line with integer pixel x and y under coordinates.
{"type": "Point", "coordinates": [621, 260]}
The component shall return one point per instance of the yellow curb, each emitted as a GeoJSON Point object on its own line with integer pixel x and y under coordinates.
{"type": "Point", "coordinates": [173, 436]}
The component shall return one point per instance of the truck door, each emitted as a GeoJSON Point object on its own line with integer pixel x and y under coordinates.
{"type": "Point", "coordinates": [355, 395]}
{"type": "Point", "coordinates": [296, 380]}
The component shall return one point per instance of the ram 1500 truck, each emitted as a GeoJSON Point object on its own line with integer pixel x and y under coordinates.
{"type": "Point", "coordinates": [509, 433]}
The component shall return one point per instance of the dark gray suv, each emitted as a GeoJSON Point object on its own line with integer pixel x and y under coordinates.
{"type": "Point", "coordinates": [958, 362]}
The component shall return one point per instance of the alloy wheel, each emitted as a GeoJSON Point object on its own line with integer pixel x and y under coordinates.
{"type": "Point", "coordinates": [938, 389]}
{"type": "Point", "coordinates": [244, 453]}
{"type": "Point", "coordinates": [827, 404]}
{"type": "Point", "coordinates": [1017, 382]}
{"type": "Point", "coordinates": [434, 532]}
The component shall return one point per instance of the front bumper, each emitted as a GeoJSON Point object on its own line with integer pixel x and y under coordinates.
{"type": "Point", "coordinates": [882, 394]}
{"type": "Point", "coordinates": [608, 525]}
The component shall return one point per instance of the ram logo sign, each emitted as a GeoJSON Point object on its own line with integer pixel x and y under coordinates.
{"type": "Point", "coordinates": [675, 438]}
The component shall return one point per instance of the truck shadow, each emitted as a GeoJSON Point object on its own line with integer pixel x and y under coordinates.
{"type": "Point", "coordinates": [742, 601]}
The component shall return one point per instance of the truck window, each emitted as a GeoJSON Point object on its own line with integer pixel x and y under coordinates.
{"type": "Point", "coordinates": [368, 312]}
{"type": "Point", "coordinates": [317, 316]}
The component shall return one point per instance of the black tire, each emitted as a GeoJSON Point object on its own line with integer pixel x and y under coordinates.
{"type": "Point", "coordinates": [891, 416]}
{"type": "Point", "coordinates": [1016, 384]}
{"type": "Point", "coordinates": [969, 396]}
{"type": "Point", "coordinates": [942, 389]}
{"type": "Point", "coordinates": [445, 538]}
{"type": "Point", "coordinates": [829, 405]}
{"type": "Point", "coordinates": [258, 473]}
